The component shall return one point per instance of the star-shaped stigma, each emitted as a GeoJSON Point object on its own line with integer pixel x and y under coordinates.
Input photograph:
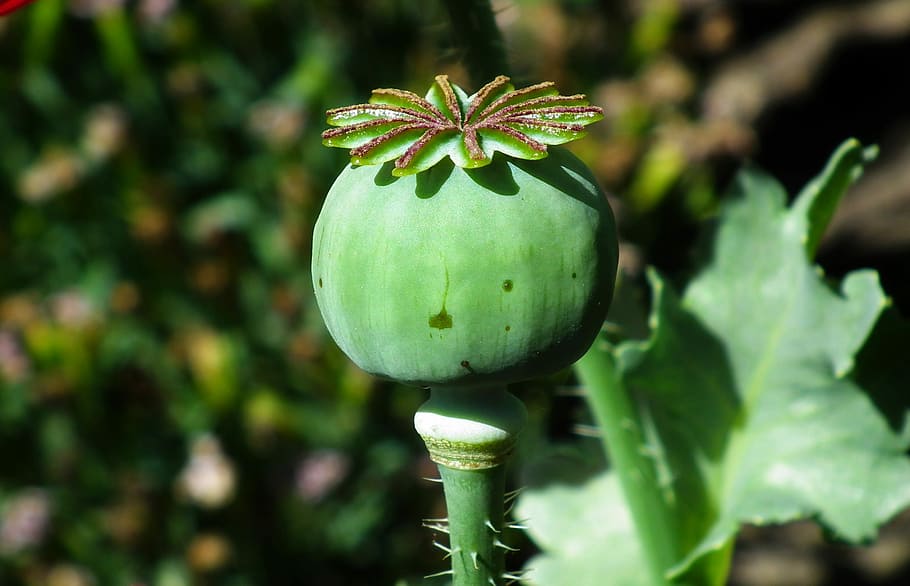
{"type": "Point", "coordinates": [419, 132]}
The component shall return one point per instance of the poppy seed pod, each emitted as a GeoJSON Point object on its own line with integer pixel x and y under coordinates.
{"type": "Point", "coordinates": [465, 277]}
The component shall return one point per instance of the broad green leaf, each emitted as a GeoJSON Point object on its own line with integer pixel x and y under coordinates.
{"type": "Point", "coordinates": [576, 524]}
{"type": "Point", "coordinates": [806, 440]}
{"type": "Point", "coordinates": [747, 386]}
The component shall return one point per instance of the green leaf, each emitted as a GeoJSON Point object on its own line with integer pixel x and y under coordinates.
{"type": "Point", "coordinates": [806, 440]}
{"type": "Point", "coordinates": [820, 197]}
{"type": "Point", "coordinates": [576, 524]}
{"type": "Point", "coordinates": [746, 387]}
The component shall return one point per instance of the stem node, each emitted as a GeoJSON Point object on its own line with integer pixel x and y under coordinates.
{"type": "Point", "coordinates": [470, 433]}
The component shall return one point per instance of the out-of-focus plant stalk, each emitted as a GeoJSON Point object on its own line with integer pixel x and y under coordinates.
{"type": "Point", "coordinates": [478, 39]}
{"type": "Point", "coordinates": [122, 52]}
{"type": "Point", "coordinates": [43, 26]}
{"type": "Point", "coordinates": [624, 441]}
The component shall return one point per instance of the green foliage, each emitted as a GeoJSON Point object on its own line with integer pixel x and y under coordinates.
{"type": "Point", "coordinates": [171, 412]}
{"type": "Point", "coordinates": [587, 533]}
{"type": "Point", "coordinates": [750, 407]}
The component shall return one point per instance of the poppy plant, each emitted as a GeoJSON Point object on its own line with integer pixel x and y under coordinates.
{"type": "Point", "coordinates": [7, 6]}
{"type": "Point", "coordinates": [478, 258]}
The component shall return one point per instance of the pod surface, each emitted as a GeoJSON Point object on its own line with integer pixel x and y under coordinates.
{"type": "Point", "coordinates": [465, 277]}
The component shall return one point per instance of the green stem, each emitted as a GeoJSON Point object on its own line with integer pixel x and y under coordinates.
{"type": "Point", "coordinates": [121, 50]}
{"type": "Point", "coordinates": [470, 433]}
{"type": "Point", "coordinates": [474, 501]}
{"type": "Point", "coordinates": [45, 19]}
{"type": "Point", "coordinates": [624, 440]}
{"type": "Point", "coordinates": [478, 39]}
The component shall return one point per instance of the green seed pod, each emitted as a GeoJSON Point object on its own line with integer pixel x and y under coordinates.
{"type": "Point", "coordinates": [465, 277]}
{"type": "Point", "coordinates": [480, 270]}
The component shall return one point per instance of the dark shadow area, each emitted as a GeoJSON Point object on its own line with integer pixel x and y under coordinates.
{"type": "Point", "coordinates": [558, 175]}
{"type": "Point", "coordinates": [384, 174]}
{"type": "Point", "coordinates": [563, 463]}
{"type": "Point", "coordinates": [684, 349]}
{"type": "Point", "coordinates": [884, 360]}
{"type": "Point", "coordinates": [496, 177]}
{"type": "Point", "coordinates": [858, 89]}
{"type": "Point", "coordinates": [429, 182]}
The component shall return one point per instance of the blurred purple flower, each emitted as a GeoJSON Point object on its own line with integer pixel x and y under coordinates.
{"type": "Point", "coordinates": [14, 364]}
{"type": "Point", "coordinates": [155, 11]}
{"type": "Point", "coordinates": [73, 309]}
{"type": "Point", "coordinates": [277, 123]}
{"type": "Point", "coordinates": [319, 473]}
{"type": "Point", "coordinates": [24, 521]}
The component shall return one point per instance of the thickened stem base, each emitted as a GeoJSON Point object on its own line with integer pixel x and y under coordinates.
{"type": "Point", "coordinates": [470, 433]}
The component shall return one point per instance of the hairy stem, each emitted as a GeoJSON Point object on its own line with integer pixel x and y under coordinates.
{"type": "Point", "coordinates": [470, 434]}
{"type": "Point", "coordinates": [624, 440]}
{"type": "Point", "coordinates": [478, 39]}
{"type": "Point", "coordinates": [474, 500]}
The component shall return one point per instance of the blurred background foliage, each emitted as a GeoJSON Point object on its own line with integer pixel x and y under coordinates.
{"type": "Point", "coordinates": [171, 409]}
